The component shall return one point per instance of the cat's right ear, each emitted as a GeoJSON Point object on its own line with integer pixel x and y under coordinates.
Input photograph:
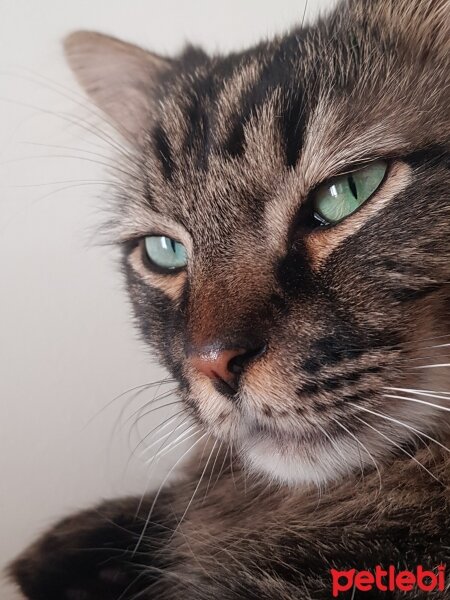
{"type": "Point", "coordinates": [120, 78]}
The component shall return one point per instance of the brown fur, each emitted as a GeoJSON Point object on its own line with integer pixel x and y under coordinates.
{"type": "Point", "coordinates": [327, 456]}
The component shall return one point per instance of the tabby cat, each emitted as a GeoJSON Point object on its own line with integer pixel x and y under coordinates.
{"type": "Point", "coordinates": [284, 218]}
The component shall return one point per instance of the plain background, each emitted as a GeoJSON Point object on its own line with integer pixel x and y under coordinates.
{"type": "Point", "coordinates": [67, 347]}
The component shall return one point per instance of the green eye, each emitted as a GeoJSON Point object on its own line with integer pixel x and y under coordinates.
{"type": "Point", "coordinates": [166, 253]}
{"type": "Point", "coordinates": [340, 197]}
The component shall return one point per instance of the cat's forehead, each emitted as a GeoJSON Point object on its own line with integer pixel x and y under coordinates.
{"type": "Point", "coordinates": [235, 134]}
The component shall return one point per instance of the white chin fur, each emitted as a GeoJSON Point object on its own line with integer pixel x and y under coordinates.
{"type": "Point", "coordinates": [291, 463]}
{"type": "Point", "coordinates": [295, 466]}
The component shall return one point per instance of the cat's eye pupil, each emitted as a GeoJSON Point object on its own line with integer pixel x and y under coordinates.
{"type": "Point", "coordinates": [165, 253]}
{"type": "Point", "coordinates": [352, 186]}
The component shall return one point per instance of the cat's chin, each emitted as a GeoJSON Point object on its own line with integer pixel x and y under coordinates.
{"type": "Point", "coordinates": [293, 466]}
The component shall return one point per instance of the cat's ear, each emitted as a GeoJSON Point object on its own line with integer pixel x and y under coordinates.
{"type": "Point", "coordinates": [120, 78]}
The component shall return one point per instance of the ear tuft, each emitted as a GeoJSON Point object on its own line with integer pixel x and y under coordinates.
{"type": "Point", "coordinates": [121, 79]}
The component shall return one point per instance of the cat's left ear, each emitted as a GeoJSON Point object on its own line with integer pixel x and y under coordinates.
{"type": "Point", "coordinates": [122, 79]}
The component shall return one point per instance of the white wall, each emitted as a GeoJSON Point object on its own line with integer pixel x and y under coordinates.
{"type": "Point", "coordinates": [66, 342]}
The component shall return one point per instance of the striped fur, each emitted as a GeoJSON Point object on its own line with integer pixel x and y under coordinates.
{"type": "Point", "coordinates": [333, 465]}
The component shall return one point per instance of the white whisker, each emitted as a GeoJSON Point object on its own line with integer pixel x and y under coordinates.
{"type": "Point", "coordinates": [438, 366]}
{"type": "Point", "coordinates": [391, 441]}
{"type": "Point", "coordinates": [142, 415]}
{"type": "Point", "coordinates": [196, 487]}
{"type": "Point", "coordinates": [418, 400]}
{"type": "Point", "coordinates": [143, 386]}
{"type": "Point", "coordinates": [155, 499]}
{"type": "Point", "coordinates": [160, 427]}
{"type": "Point", "coordinates": [333, 442]}
{"type": "Point", "coordinates": [141, 412]}
{"type": "Point", "coordinates": [358, 441]}
{"type": "Point", "coordinates": [429, 393]}
{"type": "Point", "coordinates": [222, 467]}
{"type": "Point", "coordinates": [160, 439]}
{"type": "Point", "coordinates": [212, 470]}
{"type": "Point", "coordinates": [179, 440]}
{"type": "Point", "coordinates": [231, 465]}
{"type": "Point", "coordinates": [410, 427]}
{"type": "Point", "coordinates": [165, 423]}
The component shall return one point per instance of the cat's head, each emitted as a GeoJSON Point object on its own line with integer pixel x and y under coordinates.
{"type": "Point", "coordinates": [284, 214]}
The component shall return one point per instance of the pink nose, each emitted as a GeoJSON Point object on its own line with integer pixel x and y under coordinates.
{"type": "Point", "coordinates": [219, 364]}
{"type": "Point", "coordinates": [224, 367]}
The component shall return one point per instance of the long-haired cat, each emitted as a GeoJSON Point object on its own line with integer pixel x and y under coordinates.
{"type": "Point", "coordinates": [284, 222]}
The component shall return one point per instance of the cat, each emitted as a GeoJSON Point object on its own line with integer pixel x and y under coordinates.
{"type": "Point", "coordinates": [284, 219]}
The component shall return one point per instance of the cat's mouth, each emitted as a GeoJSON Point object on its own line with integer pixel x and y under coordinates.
{"type": "Point", "coordinates": [284, 446]}
{"type": "Point", "coordinates": [256, 415]}
{"type": "Point", "coordinates": [309, 448]}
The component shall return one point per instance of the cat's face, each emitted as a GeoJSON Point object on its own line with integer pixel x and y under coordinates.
{"type": "Point", "coordinates": [291, 330]}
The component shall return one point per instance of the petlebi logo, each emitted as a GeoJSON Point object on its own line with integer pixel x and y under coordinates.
{"type": "Point", "coordinates": [388, 580]}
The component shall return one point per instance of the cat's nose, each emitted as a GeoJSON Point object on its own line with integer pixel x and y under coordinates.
{"type": "Point", "coordinates": [225, 366]}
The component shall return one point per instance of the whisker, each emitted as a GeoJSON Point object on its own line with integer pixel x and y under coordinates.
{"type": "Point", "coordinates": [128, 391]}
{"type": "Point", "coordinates": [304, 13]}
{"type": "Point", "coordinates": [418, 400]}
{"type": "Point", "coordinates": [111, 169]}
{"type": "Point", "coordinates": [76, 98]}
{"type": "Point", "coordinates": [212, 471]}
{"type": "Point", "coordinates": [222, 467]}
{"type": "Point", "coordinates": [231, 465]}
{"type": "Point", "coordinates": [136, 394]}
{"type": "Point", "coordinates": [164, 445]}
{"type": "Point", "coordinates": [440, 346]}
{"type": "Point", "coordinates": [90, 128]}
{"type": "Point", "coordinates": [410, 359]}
{"type": "Point", "coordinates": [391, 441]}
{"type": "Point", "coordinates": [429, 393]}
{"type": "Point", "coordinates": [63, 189]}
{"type": "Point", "coordinates": [142, 413]}
{"type": "Point", "coordinates": [438, 366]}
{"type": "Point", "coordinates": [105, 157]}
{"type": "Point", "coordinates": [164, 424]}
{"type": "Point", "coordinates": [73, 95]}
{"type": "Point", "coordinates": [197, 486]}
{"type": "Point", "coordinates": [333, 442]}
{"type": "Point", "coordinates": [152, 461]}
{"type": "Point", "coordinates": [155, 499]}
{"type": "Point", "coordinates": [181, 439]}
{"type": "Point", "coordinates": [358, 441]}
{"type": "Point", "coordinates": [50, 183]}
{"type": "Point", "coordinates": [159, 427]}
{"type": "Point", "coordinates": [410, 427]}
